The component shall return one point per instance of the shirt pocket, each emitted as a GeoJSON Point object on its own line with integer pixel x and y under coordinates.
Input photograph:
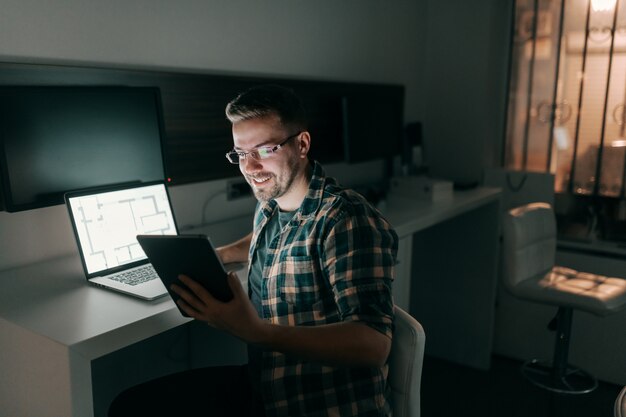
{"type": "Point", "coordinates": [299, 286]}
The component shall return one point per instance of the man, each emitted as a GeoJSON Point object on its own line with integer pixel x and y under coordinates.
{"type": "Point", "coordinates": [318, 315]}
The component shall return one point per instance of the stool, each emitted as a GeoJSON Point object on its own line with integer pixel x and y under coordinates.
{"type": "Point", "coordinates": [529, 249]}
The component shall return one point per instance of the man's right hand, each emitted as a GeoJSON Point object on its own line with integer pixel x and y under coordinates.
{"type": "Point", "coordinates": [237, 316]}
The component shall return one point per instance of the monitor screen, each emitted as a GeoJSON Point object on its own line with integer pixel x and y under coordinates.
{"type": "Point", "coordinates": [107, 223]}
{"type": "Point", "coordinates": [57, 139]}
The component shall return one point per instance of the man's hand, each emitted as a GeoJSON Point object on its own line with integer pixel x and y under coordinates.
{"type": "Point", "coordinates": [235, 252]}
{"type": "Point", "coordinates": [236, 316]}
{"type": "Point", "coordinates": [344, 344]}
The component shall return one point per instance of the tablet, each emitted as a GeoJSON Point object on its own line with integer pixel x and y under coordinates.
{"type": "Point", "coordinates": [191, 255]}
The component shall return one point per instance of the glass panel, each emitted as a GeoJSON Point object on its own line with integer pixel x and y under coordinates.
{"type": "Point", "coordinates": [533, 77]}
{"type": "Point", "coordinates": [612, 172]}
{"type": "Point", "coordinates": [595, 82]}
{"type": "Point", "coordinates": [568, 92]}
{"type": "Point", "coordinates": [543, 83]}
{"type": "Point", "coordinates": [576, 127]}
{"type": "Point", "coordinates": [521, 66]}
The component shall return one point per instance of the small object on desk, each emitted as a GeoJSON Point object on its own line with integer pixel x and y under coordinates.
{"type": "Point", "coordinates": [466, 185]}
{"type": "Point", "coordinates": [421, 188]}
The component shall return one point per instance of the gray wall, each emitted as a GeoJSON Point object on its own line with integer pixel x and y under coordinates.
{"type": "Point", "coordinates": [357, 40]}
{"type": "Point", "coordinates": [466, 63]}
{"type": "Point", "coordinates": [352, 40]}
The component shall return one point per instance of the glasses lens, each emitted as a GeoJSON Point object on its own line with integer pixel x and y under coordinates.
{"type": "Point", "coordinates": [232, 157]}
{"type": "Point", "coordinates": [262, 153]}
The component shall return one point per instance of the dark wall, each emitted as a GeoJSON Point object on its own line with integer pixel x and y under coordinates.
{"type": "Point", "coordinates": [198, 133]}
{"type": "Point", "coordinates": [466, 83]}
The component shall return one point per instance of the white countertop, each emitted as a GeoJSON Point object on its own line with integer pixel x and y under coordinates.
{"type": "Point", "coordinates": [408, 215]}
{"type": "Point", "coordinates": [53, 299]}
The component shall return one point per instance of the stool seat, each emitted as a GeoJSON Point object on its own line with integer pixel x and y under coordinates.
{"type": "Point", "coordinates": [595, 294]}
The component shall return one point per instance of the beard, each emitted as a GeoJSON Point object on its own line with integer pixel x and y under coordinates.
{"type": "Point", "coordinates": [282, 182]}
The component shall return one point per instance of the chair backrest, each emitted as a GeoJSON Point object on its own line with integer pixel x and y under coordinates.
{"type": "Point", "coordinates": [529, 242]}
{"type": "Point", "coordinates": [405, 364]}
{"type": "Point", "coordinates": [620, 404]}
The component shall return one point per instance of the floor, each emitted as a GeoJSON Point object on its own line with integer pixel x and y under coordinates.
{"type": "Point", "coordinates": [450, 390]}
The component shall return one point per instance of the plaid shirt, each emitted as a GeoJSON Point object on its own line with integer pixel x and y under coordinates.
{"type": "Point", "coordinates": [333, 262]}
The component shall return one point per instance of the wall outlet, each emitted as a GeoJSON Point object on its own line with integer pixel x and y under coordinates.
{"type": "Point", "coordinates": [237, 189]}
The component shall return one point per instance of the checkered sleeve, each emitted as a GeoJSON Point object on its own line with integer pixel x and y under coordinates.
{"type": "Point", "coordinates": [359, 258]}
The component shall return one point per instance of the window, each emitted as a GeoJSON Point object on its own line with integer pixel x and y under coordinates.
{"type": "Point", "coordinates": [566, 110]}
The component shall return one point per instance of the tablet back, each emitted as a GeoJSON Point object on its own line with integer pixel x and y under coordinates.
{"type": "Point", "coordinates": [190, 255]}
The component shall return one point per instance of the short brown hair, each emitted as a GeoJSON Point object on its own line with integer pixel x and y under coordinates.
{"type": "Point", "coordinates": [265, 100]}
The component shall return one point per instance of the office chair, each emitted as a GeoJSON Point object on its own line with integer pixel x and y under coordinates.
{"type": "Point", "coordinates": [620, 404]}
{"type": "Point", "coordinates": [529, 250]}
{"type": "Point", "coordinates": [405, 364]}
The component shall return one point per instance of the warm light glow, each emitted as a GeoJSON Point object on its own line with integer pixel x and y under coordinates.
{"type": "Point", "coordinates": [603, 5]}
{"type": "Point", "coordinates": [619, 143]}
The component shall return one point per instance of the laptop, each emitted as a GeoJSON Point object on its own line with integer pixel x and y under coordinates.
{"type": "Point", "coordinates": [106, 221]}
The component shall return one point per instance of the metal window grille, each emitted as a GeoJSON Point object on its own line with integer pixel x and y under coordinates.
{"type": "Point", "coordinates": [566, 109]}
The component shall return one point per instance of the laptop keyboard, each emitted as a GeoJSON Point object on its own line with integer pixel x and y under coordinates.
{"type": "Point", "coordinates": [136, 276]}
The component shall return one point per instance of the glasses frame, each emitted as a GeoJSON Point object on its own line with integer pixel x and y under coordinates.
{"type": "Point", "coordinates": [268, 151]}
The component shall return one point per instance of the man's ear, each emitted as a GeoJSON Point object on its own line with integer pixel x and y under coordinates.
{"type": "Point", "coordinates": [304, 144]}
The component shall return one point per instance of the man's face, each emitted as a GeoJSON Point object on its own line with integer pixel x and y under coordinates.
{"type": "Point", "coordinates": [269, 178]}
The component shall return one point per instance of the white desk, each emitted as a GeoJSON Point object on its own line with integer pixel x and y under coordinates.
{"type": "Point", "coordinates": [453, 248]}
{"type": "Point", "coordinates": [57, 332]}
{"type": "Point", "coordinates": [52, 325]}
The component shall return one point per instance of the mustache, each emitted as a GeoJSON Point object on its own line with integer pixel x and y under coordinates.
{"type": "Point", "coordinates": [259, 175]}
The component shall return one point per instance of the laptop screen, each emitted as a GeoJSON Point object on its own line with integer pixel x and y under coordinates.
{"type": "Point", "coordinates": [106, 223]}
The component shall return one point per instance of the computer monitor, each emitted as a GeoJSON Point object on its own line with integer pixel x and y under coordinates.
{"type": "Point", "coordinates": [54, 139]}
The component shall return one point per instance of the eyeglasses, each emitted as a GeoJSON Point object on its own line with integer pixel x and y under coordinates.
{"type": "Point", "coordinates": [258, 154]}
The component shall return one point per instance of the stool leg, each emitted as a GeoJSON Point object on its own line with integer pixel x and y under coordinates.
{"type": "Point", "coordinates": [561, 345]}
{"type": "Point", "coordinates": [559, 376]}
